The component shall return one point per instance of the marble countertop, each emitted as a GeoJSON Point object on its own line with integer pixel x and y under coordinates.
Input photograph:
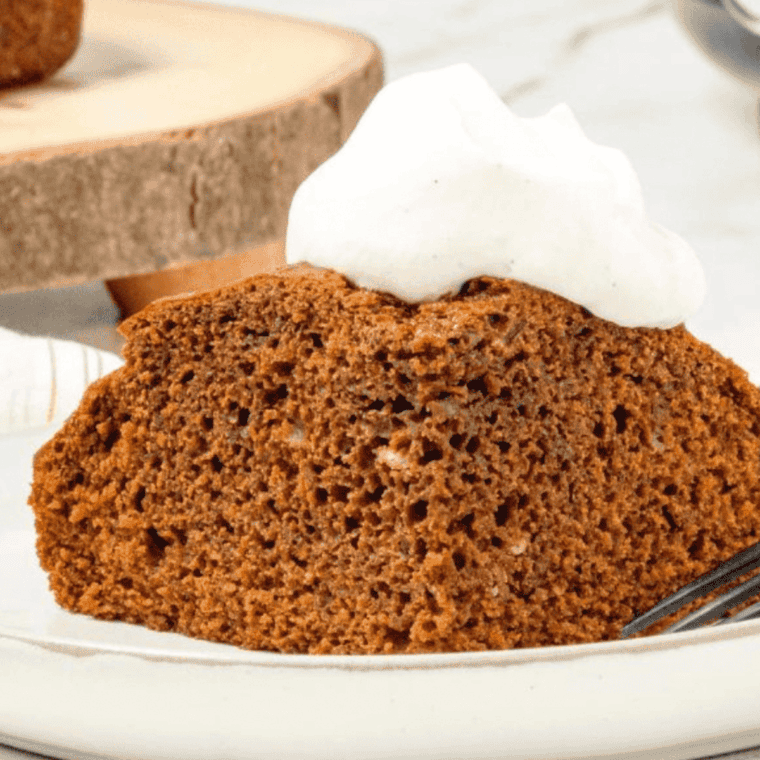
{"type": "Point", "coordinates": [634, 80]}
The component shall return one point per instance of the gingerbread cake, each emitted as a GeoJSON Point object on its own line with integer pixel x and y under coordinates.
{"type": "Point", "coordinates": [37, 37]}
{"type": "Point", "coordinates": [297, 464]}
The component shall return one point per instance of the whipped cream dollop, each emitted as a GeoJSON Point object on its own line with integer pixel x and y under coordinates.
{"type": "Point", "coordinates": [440, 182]}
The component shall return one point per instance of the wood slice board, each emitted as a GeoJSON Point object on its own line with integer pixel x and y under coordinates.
{"type": "Point", "coordinates": [177, 133]}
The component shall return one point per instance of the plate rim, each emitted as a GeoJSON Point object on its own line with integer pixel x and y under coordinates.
{"type": "Point", "coordinates": [69, 645]}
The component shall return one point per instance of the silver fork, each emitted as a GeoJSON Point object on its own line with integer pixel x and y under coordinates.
{"type": "Point", "coordinates": [730, 570]}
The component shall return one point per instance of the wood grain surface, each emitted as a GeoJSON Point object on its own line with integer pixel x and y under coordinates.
{"type": "Point", "coordinates": [179, 132]}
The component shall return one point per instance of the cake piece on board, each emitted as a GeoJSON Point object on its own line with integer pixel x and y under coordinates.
{"type": "Point", "coordinates": [38, 38]}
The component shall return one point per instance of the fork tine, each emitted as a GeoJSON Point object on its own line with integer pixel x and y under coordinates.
{"type": "Point", "coordinates": [748, 613]}
{"type": "Point", "coordinates": [741, 563]}
{"type": "Point", "coordinates": [718, 606]}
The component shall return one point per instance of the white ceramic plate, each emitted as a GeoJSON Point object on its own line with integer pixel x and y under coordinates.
{"type": "Point", "coordinates": [72, 687]}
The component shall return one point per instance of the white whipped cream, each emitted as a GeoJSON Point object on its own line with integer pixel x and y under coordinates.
{"type": "Point", "coordinates": [440, 182]}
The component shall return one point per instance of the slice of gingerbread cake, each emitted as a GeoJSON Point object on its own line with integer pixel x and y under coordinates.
{"type": "Point", "coordinates": [37, 37]}
{"type": "Point", "coordinates": [298, 464]}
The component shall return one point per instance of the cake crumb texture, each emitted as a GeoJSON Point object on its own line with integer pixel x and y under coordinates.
{"type": "Point", "coordinates": [37, 37]}
{"type": "Point", "coordinates": [295, 464]}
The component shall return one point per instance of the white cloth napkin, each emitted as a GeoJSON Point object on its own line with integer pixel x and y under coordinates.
{"type": "Point", "coordinates": [42, 379]}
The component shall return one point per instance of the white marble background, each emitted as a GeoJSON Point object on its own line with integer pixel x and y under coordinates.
{"type": "Point", "coordinates": [635, 81]}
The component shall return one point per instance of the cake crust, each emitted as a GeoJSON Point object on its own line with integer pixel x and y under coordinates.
{"type": "Point", "coordinates": [38, 37]}
{"type": "Point", "coordinates": [295, 464]}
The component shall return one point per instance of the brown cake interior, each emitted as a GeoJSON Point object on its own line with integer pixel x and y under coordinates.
{"type": "Point", "coordinates": [299, 465]}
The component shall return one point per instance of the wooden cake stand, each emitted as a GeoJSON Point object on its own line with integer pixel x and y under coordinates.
{"type": "Point", "coordinates": [163, 158]}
